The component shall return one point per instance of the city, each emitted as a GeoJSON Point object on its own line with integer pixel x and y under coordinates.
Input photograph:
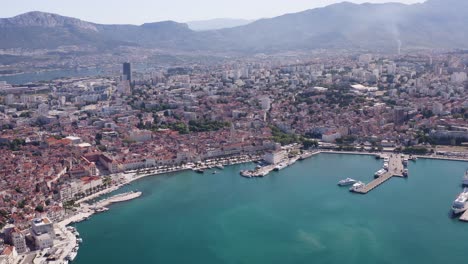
{"type": "Point", "coordinates": [65, 142]}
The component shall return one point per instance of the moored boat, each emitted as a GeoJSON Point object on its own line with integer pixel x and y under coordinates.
{"type": "Point", "coordinates": [346, 182]}
{"type": "Point", "coordinates": [465, 179]}
{"type": "Point", "coordinates": [460, 204]}
{"type": "Point", "coordinates": [357, 186]}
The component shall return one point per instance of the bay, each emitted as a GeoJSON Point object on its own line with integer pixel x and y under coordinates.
{"type": "Point", "coordinates": [297, 215]}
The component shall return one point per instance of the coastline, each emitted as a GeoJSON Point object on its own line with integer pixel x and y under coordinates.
{"type": "Point", "coordinates": [85, 210]}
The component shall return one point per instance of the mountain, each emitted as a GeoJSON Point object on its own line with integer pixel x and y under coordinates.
{"type": "Point", "coordinates": [432, 24]}
{"type": "Point", "coordinates": [217, 23]}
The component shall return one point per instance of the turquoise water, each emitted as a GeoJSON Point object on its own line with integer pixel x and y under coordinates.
{"type": "Point", "coordinates": [298, 215]}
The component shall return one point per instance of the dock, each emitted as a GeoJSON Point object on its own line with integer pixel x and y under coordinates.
{"type": "Point", "coordinates": [395, 169]}
{"type": "Point", "coordinates": [464, 216]}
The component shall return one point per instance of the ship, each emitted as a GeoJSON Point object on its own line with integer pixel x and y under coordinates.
{"type": "Point", "coordinates": [460, 204]}
{"type": "Point", "coordinates": [380, 173]}
{"type": "Point", "coordinates": [465, 179]}
{"type": "Point", "coordinates": [356, 186]}
{"type": "Point", "coordinates": [346, 182]}
{"type": "Point", "coordinates": [405, 172]}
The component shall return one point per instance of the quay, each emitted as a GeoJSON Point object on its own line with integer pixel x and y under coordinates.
{"type": "Point", "coordinates": [464, 216]}
{"type": "Point", "coordinates": [118, 198]}
{"type": "Point", "coordinates": [395, 169]}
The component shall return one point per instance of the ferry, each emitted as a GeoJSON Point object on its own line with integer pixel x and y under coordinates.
{"type": "Point", "coordinates": [380, 173]}
{"type": "Point", "coordinates": [465, 179]}
{"type": "Point", "coordinates": [356, 186]}
{"type": "Point", "coordinates": [460, 204]}
{"type": "Point", "coordinates": [346, 182]}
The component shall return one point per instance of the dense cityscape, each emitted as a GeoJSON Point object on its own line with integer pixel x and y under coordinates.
{"type": "Point", "coordinates": [66, 141]}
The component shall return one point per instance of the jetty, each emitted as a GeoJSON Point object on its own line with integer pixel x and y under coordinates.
{"type": "Point", "coordinates": [396, 168]}
{"type": "Point", "coordinates": [118, 198]}
{"type": "Point", "coordinates": [464, 216]}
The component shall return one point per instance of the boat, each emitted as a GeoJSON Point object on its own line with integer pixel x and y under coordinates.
{"type": "Point", "coordinates": [346, 182]}
{"type": "Point", "coordinates": [405, 161]}
{"type": "Point", "coordinates": [214, 172]}
{"type": "Point", "coordinates": [460, 204]}
{"type": "Point", "coordinates": [465, 179]}
{"type": "Point", "coordinates": [405, 172]}
{"type": "Point", "coordinates": [221, 167]}
{"type": "Point", "coordinates": [357, 186]}
{"type": "Point", "coordinates": [385, 166]}
{"type": "Point", "coordinates": [380, 173]}
{"type": "Point", "coordinates": [280, 167]}
{"type": "Point", "coordinates": [201, 171]}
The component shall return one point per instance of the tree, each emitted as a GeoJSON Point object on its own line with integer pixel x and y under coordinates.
{"type": "Point", "coordinates": [40, 208]}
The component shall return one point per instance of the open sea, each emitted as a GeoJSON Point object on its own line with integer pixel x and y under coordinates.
{"type": "Point", "coordinates": [295, 216]}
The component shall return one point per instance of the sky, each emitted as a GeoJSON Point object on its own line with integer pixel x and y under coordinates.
{"type": "Point", "coordinates": [141, 11]}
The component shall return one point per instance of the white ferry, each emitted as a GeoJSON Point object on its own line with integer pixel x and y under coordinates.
{"type": "Point", "coordinates": [465, 179]}
{"type": "Point", "coordinates": [380, 173]}
{"type": "Point", "coordinates": [346, 182]}
{"type": "Point", "coordinates": [357, 186]}
{"type": "Point", "coordinates": [460, 204]}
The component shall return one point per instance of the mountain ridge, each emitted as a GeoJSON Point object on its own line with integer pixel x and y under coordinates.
{"type": "Point", "coordinates": [385, 26]}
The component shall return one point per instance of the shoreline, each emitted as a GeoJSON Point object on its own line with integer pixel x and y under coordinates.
{"type": "Point", "coordinates": [85, 211]}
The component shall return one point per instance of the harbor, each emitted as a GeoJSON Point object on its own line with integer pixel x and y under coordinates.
{"type": "Point", "coordinates": [323, 213]}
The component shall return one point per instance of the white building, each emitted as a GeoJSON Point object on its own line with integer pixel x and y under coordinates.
{"type": "Point", "coordinates": [275, 157]}
{"type": "Point", "coordinates": [42, 230]}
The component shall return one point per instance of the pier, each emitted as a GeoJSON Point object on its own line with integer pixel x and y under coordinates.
{"type": "Point", "coordinates": [464, 216]}
{"type": "Point", "coordinates": [395, 169]}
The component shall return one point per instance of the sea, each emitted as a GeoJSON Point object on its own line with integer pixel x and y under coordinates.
{"type": "Point", "coordinates": [24, 78]}
{"type": "Point", "coordinates": [298, 215]}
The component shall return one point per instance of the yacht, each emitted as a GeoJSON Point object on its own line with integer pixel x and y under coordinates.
{"type": "Point", "coordinates": [465, 179]}
{"type": "Point", "coordinates": [221, 167]}
{"type": "Point", "coordinates": [460, 204]}
{"type": "Point", "coordinates": [346, 182]}
{"type": "Point", "coordinates": [357, 186]}
{"type": "Point", "coordinates": [380, 173]}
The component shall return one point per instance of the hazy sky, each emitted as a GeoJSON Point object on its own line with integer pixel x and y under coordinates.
{"type": "Point", "coordinates": [140, 11]}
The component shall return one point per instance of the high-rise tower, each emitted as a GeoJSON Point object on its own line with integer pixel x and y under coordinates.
{"type": "Point", "coordinates": [127, 71]}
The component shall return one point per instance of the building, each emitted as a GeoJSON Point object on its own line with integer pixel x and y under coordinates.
{"type": "Point", "coordinates": [42, 230]}
{"type": "Point", "coordinates": [275, 157]}
{"type": "Point", "coordinates": [127, 71]}
{"type": "Point", "coordinates": [399, 115]}
{"type": "Point", "coordinates": [18, 240]}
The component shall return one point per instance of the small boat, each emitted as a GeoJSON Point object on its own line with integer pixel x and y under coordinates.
{"type": "Point", "coordinates": [405, 172]}
{"type": "Point", "coordinates": [214, 172]}
{"type": "Point", "coordinates": [356, 186]}
{"type": "Point", "coordinates": [201, 171]}
{"type": "Point", "coordinates": [460, 204]}
{"type": "Point", "coordinates": [346, 182]}
{"type": "Point", "coordinates": [465, 179]}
